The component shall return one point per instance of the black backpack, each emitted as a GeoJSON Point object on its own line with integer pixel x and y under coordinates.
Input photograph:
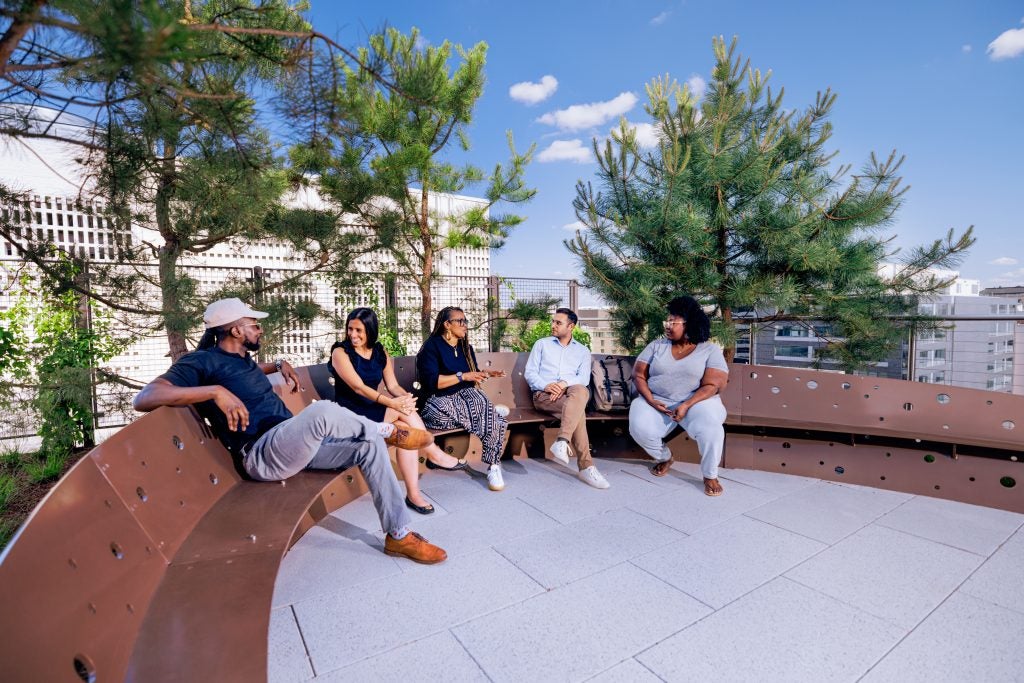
{"type": "Point", "coordinates": [612, 383]}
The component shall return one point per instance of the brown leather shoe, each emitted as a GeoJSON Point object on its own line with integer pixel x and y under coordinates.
{"type": "Point", "coordinates": [408, 437]}
{"type": "Point", "coordinates": [415, 547]}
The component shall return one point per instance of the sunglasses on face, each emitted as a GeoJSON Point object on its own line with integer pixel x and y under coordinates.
{"type": "Point", "coordinates": [258, 326]}
{"type": "Point", "coordinates": [458, 321]}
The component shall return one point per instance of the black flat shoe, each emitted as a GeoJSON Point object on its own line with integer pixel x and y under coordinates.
{"type": "Point", "coordinates": [461, 465]}
{"type": "Point", "coordinates": [425, 510]}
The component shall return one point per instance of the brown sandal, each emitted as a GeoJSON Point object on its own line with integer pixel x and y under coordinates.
{"type": "Point", "coordinates": [661, 469]}
{"type": "Point", "coordinates": [708, 491]}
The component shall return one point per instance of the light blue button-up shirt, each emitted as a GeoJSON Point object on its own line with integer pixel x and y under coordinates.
{"type": "Point", "coordinates": [549, 362]}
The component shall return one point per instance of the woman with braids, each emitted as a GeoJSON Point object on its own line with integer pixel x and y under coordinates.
{"type": "Point", "coordinates": [359, 364]}
{"type": "Point", "coordinates": [449, 375]}
{"type": "Point", "coordinates": [679, 377]}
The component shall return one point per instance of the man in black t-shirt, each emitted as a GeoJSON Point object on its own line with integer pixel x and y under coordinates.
{"type": "Point", "coordinates": [232, 391]}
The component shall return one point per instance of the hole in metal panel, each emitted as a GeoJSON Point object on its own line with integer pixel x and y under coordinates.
{"type": "Point", "coordinates": [213, 479]}
{"type": "Point", "coordinates": [821, 462]}
{"type": "Point", "coordinates": [115, 549]}
{"type": "Point", "coordinates": [988, 403]}
{"type": "Point", "coordinates": [882, 478]}
{"type": "Point", "coordinates": [783, 464]}
{"type": "Point", "coordinates": [943, 398]}
{"type": "Point", "coordinates": [970, 478]}
{"type": "Point", "coordinates": [937, 487]}
{"type": "Point", "coordinates": [760, 450]}
{"type": "Point", "coordinates": [1013, 458]}
{"type": "Point", "coordinates": [908, 406]}
{"type": "Point", "coordinates": [85, 669]}
{"type": "Point", "coordinates": [92, 608]}
{"type": "Point", "coordinates": [181, 503]}
{"type": "Point", "coordinates": [888, 455]}
{"type": "Point", "coordinates": [178, 443]}
{"type": "Point", "coordinates": [812, 384]}
{"type": "Point", "coordinates": [141, 493]}
{"type": "Point", "coordinates": [945, 426]}
{"type": "Point", "coordinates": [753, 375]}
{"type": "Point", "coordinates": [769, 376]}
{"type": "Point", "coordinates": [846, 385]}
{"type": "Point", "coordinates": [417, 385]}
{"type": "Point", "coordinates": [143, 463]}
{"type": "Point", "coordinates": [72, 563]}
{"type": "Point", "coordinates": [835, 405]}
{"type": "Point", "coordinates": [929, 458]}
{"type": "Point", "coordinates": [1008, 424]}
{"type": "Point", "coordinates": [881, 419]}
{"type": "Point", "coordinates": [786, 444]}
{"type": "Point", "coordinates": [1008, 482]}
{"type": "Point", "coordinates": [867, 395]}
{"type": "Point", "coordinates": [840, 470]}
{"type": "Point", "coordinates": [775, 390]}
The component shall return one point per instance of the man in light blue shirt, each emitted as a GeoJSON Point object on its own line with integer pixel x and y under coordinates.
{"type": "Point", "coordinates": [558, 372]}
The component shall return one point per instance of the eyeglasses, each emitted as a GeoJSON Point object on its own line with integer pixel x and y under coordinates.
{"type": "Point", "coordinates": [458, 321]}
{"type": "Point", "coordinates": [258, 326]}
{"type": "Point", "coordinates": [673, 323]}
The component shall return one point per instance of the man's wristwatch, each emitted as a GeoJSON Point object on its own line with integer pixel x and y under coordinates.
{"type": "Point", "coordinates": [458, 376]}
{"type": "Point", "coordinates": [278, 363]}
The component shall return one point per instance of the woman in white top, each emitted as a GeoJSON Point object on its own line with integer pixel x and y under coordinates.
{"type": "Point", "coordinates": [679, 377]}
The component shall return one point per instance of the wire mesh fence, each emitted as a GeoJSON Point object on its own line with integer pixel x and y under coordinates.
{"type": "Point", "coordinates": [977, 353]}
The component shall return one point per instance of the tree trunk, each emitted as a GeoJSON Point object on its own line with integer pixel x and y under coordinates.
{"type": "Point", "coordinates": [427, 302]}
{"type": "Point", "coordinates": [174, 313]}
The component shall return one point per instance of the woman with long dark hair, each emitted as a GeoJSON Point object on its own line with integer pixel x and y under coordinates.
{"type": "Point", "coordinates": [679, 377]}
{"type": "Point", "coordinates": [449, 374]}
{"type": "Point", "coordinates": [359, 365]}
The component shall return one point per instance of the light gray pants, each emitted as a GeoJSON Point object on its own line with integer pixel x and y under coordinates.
{"type": "Point", "coordinates": [703, 422]}
{"type": "Point", "coordinates": [325, 436]}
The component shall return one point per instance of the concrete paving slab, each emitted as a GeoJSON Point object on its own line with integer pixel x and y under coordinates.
{"type": "Point", "coordinates": [973, 528]}
{"type": "Point", "coordinates": [504, 518]}
{"type": "Point", "coordinates": [689, 510]}
{"type": "Point", "coordinates": [567, 499]}
{"type": "Point", "coordinates": [965, 639]}
{"type": "Point", "coordinates": [367, 620]}
{"type": "Point", "coordinates": [827, 512]}
{"type": "Point", "coordinates": [437, 657]}
{"type": "Point", "coordinates": [768, 481]}
{"type": "Point", "coordinates": [998, 580]}
{"type": "Point", "coordinates": [780, 632]}
{"type": "Point", "coordinates": [685, 474]}
{"type": "Point", "coordinates": [579, 630]}
{"type": "Point", "coordinates": [718, 565]}
{"type": "Point", "coordinates": [326, 562]}
{"type": "Point", "coordinates": [629, 671]}
{"type": "Point", "coordinates": [567, 553]}
{"type": "Point", "coordinates": [459, 491]}
{"type": "Point", "coordinates": [888, 573]}
{"type": "Point", "coordinates": [286, 655]}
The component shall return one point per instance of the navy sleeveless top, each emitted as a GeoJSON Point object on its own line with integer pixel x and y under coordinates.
{"type": "Point", "coordinates": [370, 370]}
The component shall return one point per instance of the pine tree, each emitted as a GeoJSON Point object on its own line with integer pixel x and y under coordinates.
{"type": "Point", "coordinates": [742, 206]}
{"type": "Point", "coordinates": [388, 149]}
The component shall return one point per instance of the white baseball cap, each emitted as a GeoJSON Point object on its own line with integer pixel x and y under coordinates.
{"type": "Point", "coordinates": [228, 311]}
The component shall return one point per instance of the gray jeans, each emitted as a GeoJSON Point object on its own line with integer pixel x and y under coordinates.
{"type": "Point", "coordinates": [325, 436]}
{"type": "Point", "coordinates": [703, 422]}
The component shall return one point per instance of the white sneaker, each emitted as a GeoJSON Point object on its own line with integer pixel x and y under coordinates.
{"type": "Point", "coordinates": [591, 476]}
{"type": "Point", "coordinates": [561, 450]}
{"type": "Point", "coordinates": [494, 480]}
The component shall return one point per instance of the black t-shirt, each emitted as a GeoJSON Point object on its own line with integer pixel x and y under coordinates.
{"type": "Point", "coordinates": [438, 357]}
{"type": "Point", "coordinates": [242, 377]}
{"type": "Point", "coordinates": [370, 371]}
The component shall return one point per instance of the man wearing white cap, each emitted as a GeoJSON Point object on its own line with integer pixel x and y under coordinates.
{"type": "Point", "coordinates": [232, 391]}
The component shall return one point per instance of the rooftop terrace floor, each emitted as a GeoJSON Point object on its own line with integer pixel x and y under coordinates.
{"type": "Point", "coordinates": [781, 578]}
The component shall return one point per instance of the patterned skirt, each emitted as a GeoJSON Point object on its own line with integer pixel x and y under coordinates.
{"type": "Point", "coordinates": [471, 410]}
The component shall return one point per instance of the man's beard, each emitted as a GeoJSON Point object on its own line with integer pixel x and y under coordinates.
{"type": "Point", "coordinates": [251, 345]}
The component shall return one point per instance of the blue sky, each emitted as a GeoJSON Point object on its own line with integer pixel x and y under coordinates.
{"type": "Point", "coordinates": [940, 82]}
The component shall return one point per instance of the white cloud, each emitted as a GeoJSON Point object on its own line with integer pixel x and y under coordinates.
{"type": "Point", "coordinates": [661, 18]}
{"type": "Point", "coordinates": [1008, 44]}
{"type": "Point", "coordinates": [566, 150]}
{"type": "Point", "coordinates": [581, 116]}
{"type": "Point", "coordinates": [575, 225]}
{"type": "Point", "coordinates": [421, 43]}
{"type": "Point", "coordinates": [1004, 261]}
{"type": "Point", "coordinates": [966, 48]}
{"type": "Point", "coordinates": [646, 134]}
{"type": "Point", "coordinates": [532, 93]}
{"type": "Point", "coordinates": [698, 86]}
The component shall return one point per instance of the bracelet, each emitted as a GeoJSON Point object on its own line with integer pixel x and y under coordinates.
{"type": "Point", "coordinates": [377, 400]}
{"type": "Point", "coordinates": [278, 363]}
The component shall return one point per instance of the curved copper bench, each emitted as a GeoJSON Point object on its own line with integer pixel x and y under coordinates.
{"type": "Point", "coordinates": [153, 560]}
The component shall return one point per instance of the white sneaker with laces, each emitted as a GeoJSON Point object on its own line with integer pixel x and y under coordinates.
{"type": "Point", "coordinates": [561, 450]}
{"type": "Point", "coordinates": [494, 480]}
{"type": "Point", "coordinates": [591, 476]}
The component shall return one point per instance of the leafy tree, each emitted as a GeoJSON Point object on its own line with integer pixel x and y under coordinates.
{"type": "Point", "coordinates": [384, 152]}
{"type": "Point", "coordinates": [167, 91]}
{"type": "Point", "coordinates": [542, 329]}
{"type": "Point", "coordinates": [741, 206]}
